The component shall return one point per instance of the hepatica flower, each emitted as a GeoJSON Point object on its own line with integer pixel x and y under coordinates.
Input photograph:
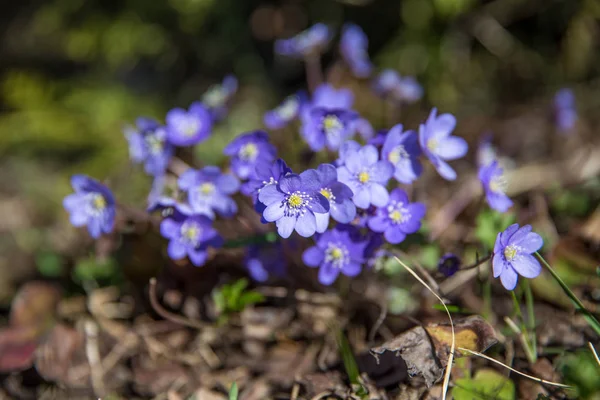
{"type": "Point", "coordinates": [513, 255]}
{"type": "Point", "coordinates": [286, 112]}
{"type": "Point", "coordinates": [313, 40]}
{"type": "Point", "coordinates": [341, 207]}
{"type": "Point", "coordinates": [486, 154]}
{"type": "Point", "coordinates": [92, 204]}
{"type": "Point", "coordinates": [293, 202]}
{"type": "Point", "coordinates": [449, 264]}
{"type": "Point", "coordinates": [390, 85]}
{"type": "Point", "coordinates": [329, 128]}
{"type": "Point", "coordinates": [402, 150]}
{"type": "Point", "coordinates": [366, 176]}
{"type": "Point", "coordinates": [337, 251]}
{"type": "Point", "coordinates": [264, 174]}
{"type": "Point", "coordinates": [186, 128]}
{"type": "Point", "coordinates": [209, 190]}
{"type": "Point", "coordinates": [398, 217]}
{"type": "Point", "coordinates": [148, 144]}
{"type": "Point", "coordinates": [247, 150]}
{"type": "Point", "coordinates": [190, 235]}
{"type": "Point", "coordinates": [353, 46]}
{"type": "Point", "coordinates": [438, 144]}
{"type": "Point", "coordinates": [565, 113]}
{"type": "Point", "coordinates": [218, 97]}
{"type": "Point", "coordinates": [328, 120]}
{"type": "Point", "coordinates": [263, 261]}
{"type": "Point", "coordinates": [346, 148]}
{"type": "Point", "coordinates": [494, 185]}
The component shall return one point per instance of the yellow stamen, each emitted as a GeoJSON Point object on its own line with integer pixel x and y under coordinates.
{"type": "Point", "coordinates": [363, 177]}
{"type": "Point", "coordinates": [510, 252]}
{"type": "Point", "coordinates": [326, 192]}
{"type": "Point", "coordinates": [294, 201]}
{"type": "Point", "coordinates": [432, 144]}
{"type": "Point", "coordinates": [336, 253]}
{"type": "Point", "coordinates": [249, 151]}
{"type": "Point", "coordinates": [396, 216]}
{"type": "Point", "coordinates": [99, 202]}
{"type": "Point", "coordinates": [331, 123]}
{"type": "Point", "coordinates": [207, 188]}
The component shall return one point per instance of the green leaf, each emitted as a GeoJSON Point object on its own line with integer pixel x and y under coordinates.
{"type": "Point", "coordinates": [249, 298]}
{"type": "Point", "coordinates": [581, 370]}
{"type": "Point", "coordinates": [233, 392]}
{"type": "Point", "coordinates": [91, 269]}
{"type": "Point", "coordinates": [348, 358]}
{"type": "Point", "coordinates": [487, 384]}
{"type": "Point", "coordinates": [49, 264]}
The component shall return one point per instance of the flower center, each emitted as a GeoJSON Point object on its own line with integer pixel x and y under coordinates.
{"type": "Point", "coordinates": [328, 194]}
{"type": "Point", "coordinates": [432, 144]}
{"type": "Point", "coordinates": [288, 109]}
{"type": "Point", "coordinates": [248, 152]}
{"type": "Point", "coordinates": [214, 97]}
{"type": "Point", "coordinates": [207, 188]}
{"type": "Point", "coordinates": [510, 252]}
{"type": "Point", "coordinates": [189, 126]}
{"type": "Point", "coordinates": [398, 154]}
{"type": "Point", "coordinates": [190, 233]}
{"type": "Point", "coordinates": [332, 124]}
{"type": "Point", "coordinates": [295, 200]}
{"type": "Point", "coordinates": [397, 213]}
{"type": "Point", "coordinates": [296, 204]}
{"type": "Point", "coordinates": [154, 143]}
{"type": "Point", "coordinates": [498, 184]}
{"type": "Point", "coordinates": [98, 202]}
{"type": "Point", "coordinates": [336, 254]}
{"type": "Point", "coordinates": [363, 177]}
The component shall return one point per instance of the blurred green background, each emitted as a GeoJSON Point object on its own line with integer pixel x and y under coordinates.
{"type": "Point", "coordinates": [74, 72]}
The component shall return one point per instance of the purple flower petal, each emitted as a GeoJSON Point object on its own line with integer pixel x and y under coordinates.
{"type": "Point", "coordinates": [498, 264]}
{"type": "Point", "coordinates": [273, 212]}
{"type": "Point", "coordinates": [509, 278]}
{"type": "Point", "coordinates": [328, 274]}
{"type": "Point", "coordinates": [176, 250]}
{"type": "Point", "coordinates": [527, 266]}
{"type": "Point", "coordinates": [451, 148]}
{"type": "Point", "coordinates": [285, 226]}
{"type": "Point", "coordinates": [379, 195]}
{"type": "Point", "coordinates": [306, 225]}
{"type": "Point", "coordinates": [394, 235]}
{"type": "Point", "coordinates": [351, 269]}
{"type": "Point", "coordinates": [313, 256]}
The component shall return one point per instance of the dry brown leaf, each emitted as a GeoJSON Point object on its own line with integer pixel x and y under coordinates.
{"type": "Point", "coordinates": [425, 349]}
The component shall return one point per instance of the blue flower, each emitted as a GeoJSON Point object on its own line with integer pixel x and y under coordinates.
{"type": "Point", "coordinates": [328, 127]}
{"type": "Point", "coordinates": [390, 85]}
{"type": "Point", "coordinates": [336, 250]}
{"type": "Point", "coordinates": [217, 97]}
{"type": "Point", "coordinates": [148, 144]}
{"type": "Point", "coordinates": [327, 96]}
{"type": "Point", "coordinates": [186, 128]}
{"type": "Point", "coordinates": [247, 150]}
{"type": "Point", "coordinates": [364, 128]}
{"type": "Point", "coordinates": [565, 113]}
{"type": "Point", "coordinates": [313, 40]}
{"type": "Point", "coordinates": [513, 255]}
{"type": "Point", "coordinates": [494, 185]}
{"type": "Point", "coordinates": [438, 144]}
{"type": "Point", "coordinates": [353, 46]}
{"type": "Point", "coordinates": [293, 202]}
{"type": "Point", "coordinates": [449, 264]}
{"type": "Point", "coordinates": [287, 111]}
{"type": "Point", "coordinates": [373, 251]}
{"type": "Point", "coordinates": [208, 190]}
{"type": "Point", "coordinates": [398, 218]}
{"type": "Point", "coordinates": [92, 204]}
{"type": "Point", "coordinates": [348, 147]}
{"type": "Point", "coordinates": [366, 176]}
{"type": "Point", "coordinates": [265, 173]}
{"type": "Point", "coordinates": [402, 150]}
{"type": "Point", "coordinates": [341, 207]}
{"type": "Point", "coordinates": [486, 154]}
{"type": "Point", "coordinates": [190, 235]}
{"type": "Point", "coordinates": [379, 138]}
{"type": "Point", "coordinates": [263, 261]}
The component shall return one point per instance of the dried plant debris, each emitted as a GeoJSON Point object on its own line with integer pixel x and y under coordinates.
{"type": "Point", "coordinates": [425, 349]}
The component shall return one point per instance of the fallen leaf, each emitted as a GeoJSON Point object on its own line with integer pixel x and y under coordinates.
{"type": "Point", "coordinates": [34, 306]}
{"type": "Point", "coordinates": [425, 349]}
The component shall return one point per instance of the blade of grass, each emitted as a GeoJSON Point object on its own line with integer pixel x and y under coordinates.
{"type": "Point", "coordinates": [233, 392]}
{"type": "Point", "coordinates": [530, 318]}
{"type": "Point", "coordinates": [594, 351]}
{"type": "Point", "coordinates": [589, 317]}
{"type": "Point", "coordinates": [451, 355]}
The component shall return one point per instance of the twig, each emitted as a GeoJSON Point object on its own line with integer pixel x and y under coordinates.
{"type": "Point", "coordinates": [380, 319]}
{"type": "Point", "coordinates": [451, 355]}
{"type": "Point", "coordinates": [476, 353]}
{"type": "Point", "coordinates": [93, 355]}
{"type": "Point", "coordinates": [295, 391]}
{"type": "Point", "coordinates": [160, 310]}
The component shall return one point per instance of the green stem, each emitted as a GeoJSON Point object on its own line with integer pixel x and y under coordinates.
{"type": "Point", "coordinates": [589, 317]}
{"type": "Point", "coordinates": [487, 298]}
{"type": "Point", "coordinates": [530, 317]}
{"type": "Point", "coordinates": [269, 237]}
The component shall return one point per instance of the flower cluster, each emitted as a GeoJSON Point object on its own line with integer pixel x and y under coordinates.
{"type": "Point", "coordinates": [351, 204]}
